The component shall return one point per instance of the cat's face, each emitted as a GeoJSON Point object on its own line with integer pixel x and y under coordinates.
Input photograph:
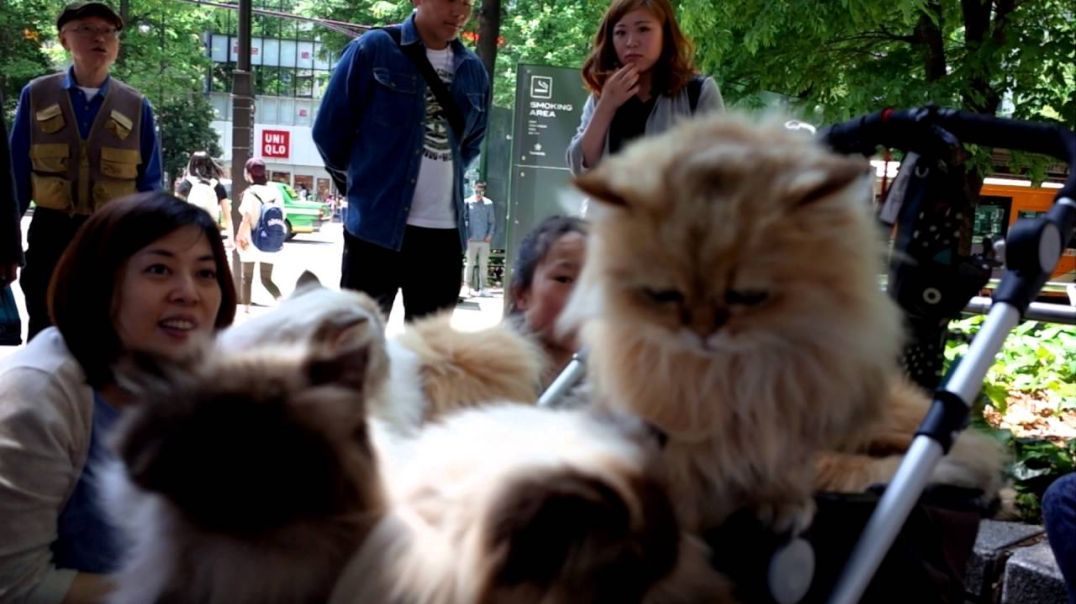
{"type": "Point", "coordinates": [248, 442]}
{"type": "Point", "coordinates": [728, 236]}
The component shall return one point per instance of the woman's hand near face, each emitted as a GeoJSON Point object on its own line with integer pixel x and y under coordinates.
{"type": "Point", "coordinates": [621, 86]}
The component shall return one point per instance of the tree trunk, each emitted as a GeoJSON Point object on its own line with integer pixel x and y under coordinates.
{"type": "Point", "coordinates": [928, 33]}
{"type": "Point", "coordinates": [489, 30]}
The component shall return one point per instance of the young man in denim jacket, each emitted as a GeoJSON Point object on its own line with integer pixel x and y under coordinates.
{"type": "Point", "coordinates": [382, 131]}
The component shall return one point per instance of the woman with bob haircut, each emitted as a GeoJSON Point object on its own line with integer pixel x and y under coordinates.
{"type": "Point", "coordinates": [147, 272]}
{"type": "Point", "coordinates": [642, 79]}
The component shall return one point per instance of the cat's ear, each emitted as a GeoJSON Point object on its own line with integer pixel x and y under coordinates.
{"type": "Point", "coordinates": [597, 184]}
{"type": "Point", "coordinates": [339, 331]}
{"type": "Point", "coordinates": [307, 280]}
{"type": "Point", "coordinates": [344, 365]}
{"type": "Point", "coordinates": [822, 180]}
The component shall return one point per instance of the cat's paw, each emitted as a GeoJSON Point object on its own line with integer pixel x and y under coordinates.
{"type": "Point", "coordinates": [786, 517]}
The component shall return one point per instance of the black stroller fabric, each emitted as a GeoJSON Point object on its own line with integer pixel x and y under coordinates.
{"type": "Point", "coordinates": [926, 564]}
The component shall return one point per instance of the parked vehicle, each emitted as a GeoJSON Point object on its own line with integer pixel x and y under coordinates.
{"type": "Point", "coordinates": [302, 216]}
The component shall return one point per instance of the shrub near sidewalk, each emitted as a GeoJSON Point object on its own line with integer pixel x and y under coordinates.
{"type": "Point", "coordinates": [1029, 401]}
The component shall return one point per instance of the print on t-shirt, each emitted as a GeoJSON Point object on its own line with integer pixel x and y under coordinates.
{"type": "Point", "coordinates": [436, 145]}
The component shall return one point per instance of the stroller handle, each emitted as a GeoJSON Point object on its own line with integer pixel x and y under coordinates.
{"type": "Point", "coordinates": [909, 128]}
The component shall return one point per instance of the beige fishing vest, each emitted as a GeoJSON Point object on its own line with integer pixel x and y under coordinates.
{"type": "Point", "coordinates": [79, 176]}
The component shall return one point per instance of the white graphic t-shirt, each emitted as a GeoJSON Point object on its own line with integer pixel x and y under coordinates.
{"type": "Point", "coordinates": [432, 205]}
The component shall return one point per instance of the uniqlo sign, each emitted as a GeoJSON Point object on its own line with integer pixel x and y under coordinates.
{"type": "Point", "coordinates": [276, 143]}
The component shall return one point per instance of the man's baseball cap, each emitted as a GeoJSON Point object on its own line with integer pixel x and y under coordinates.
{"type": "Point", "coordinates": [81, 10]}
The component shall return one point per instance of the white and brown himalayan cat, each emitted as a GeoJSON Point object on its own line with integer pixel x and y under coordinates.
{"type": "Point", "coordinates": [246, 476]}
{"type": "Point", "coordinates": [521, 505]}
{"type": "Point", "coordinates": [435, 368]}
{"type": "Point", "coordinates": [731, 298]}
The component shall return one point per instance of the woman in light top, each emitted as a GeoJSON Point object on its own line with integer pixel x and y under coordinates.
{"type": "Point", "coordinates": [642, 79]}
{"type": "Point", "coordinates": [146, 272]}
{"type": "Point", "coordinates": [259, 193]}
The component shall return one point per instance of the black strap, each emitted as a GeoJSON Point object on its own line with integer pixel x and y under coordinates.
{"type": "Point", "coordinates": [694, 91]}
{"type": "Point", "coordinates": [416, 53]}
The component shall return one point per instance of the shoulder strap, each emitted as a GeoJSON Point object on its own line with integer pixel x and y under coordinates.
{"type": "Point", "coordinates": [416, 53]}
{"type": "Point", "coordinates": [694, 90]}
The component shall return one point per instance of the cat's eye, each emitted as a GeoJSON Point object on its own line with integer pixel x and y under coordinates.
{"type": "Point", "coordinates": [746, 297]}
{"type": "Point", "coordinates": [663, 296]}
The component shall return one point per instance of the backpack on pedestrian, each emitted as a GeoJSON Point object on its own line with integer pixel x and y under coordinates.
{"type": "Point", "coordinates": [204, 195]}
{"type": "Point", "coordinates": [271, 231]}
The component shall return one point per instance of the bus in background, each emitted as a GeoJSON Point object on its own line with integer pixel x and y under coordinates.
{"type": "Point", "coordinates": [1002, 202]}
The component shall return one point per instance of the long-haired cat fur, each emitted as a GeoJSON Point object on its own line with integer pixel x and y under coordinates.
{"type": "Point", "coordinates": [246, 476]}
{"type": "Point", "coordinates": [512, 503]}
{"type": "Point", "coordinates": [731, 298]}
{"type": "Point", "coordinates": [871, 454]}
{"type": "Point", "coordinates": [435, 368]}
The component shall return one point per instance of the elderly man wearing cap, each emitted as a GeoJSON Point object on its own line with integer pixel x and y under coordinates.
{"type": "Point", "coordinates": [81, 138]}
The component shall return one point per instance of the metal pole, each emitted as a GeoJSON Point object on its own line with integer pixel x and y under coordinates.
{"type": "Point", "coordinates": [242, 127]}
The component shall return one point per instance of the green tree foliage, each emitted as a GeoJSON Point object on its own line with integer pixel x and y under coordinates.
{"type": "Point", "coordinates": [838, 59]}
{"type": "Point", "coordinates": [162, 55]}
{"type": "Point", "coordinates": [24, 26]}
{"type": "Point", "coordinates": [184, 128]}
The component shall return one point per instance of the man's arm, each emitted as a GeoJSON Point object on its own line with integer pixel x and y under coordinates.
{"type": "Point", "coordinates": [490, 222]}
{"type": "Point", "coordinates": [338, 116]}
{"type": "Point", "coordinates": [150, 173]}
{"type": "Point", "coordinates": [10, 229]}
{"type": "Point", "coordinates": [472, 144]}
{"type": "Point", "coordinates": [20, 151]}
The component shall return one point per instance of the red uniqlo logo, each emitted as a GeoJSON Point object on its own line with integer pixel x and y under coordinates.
{"type": "Point", "coordinates": [276, 143]}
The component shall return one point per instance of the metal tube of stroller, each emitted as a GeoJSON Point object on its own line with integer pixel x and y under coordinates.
{"type": "Point", "coordinates": [915, 470]}
{"type": "Point", "coordinates": [571, 375]}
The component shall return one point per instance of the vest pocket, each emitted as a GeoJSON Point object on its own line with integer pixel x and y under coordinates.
{"type": "Point", "coordinates": [51, 157]}
{"type": "Point", "coordinates": [119, 169]}
{"type": "Point", "coordinates": [50, 119]}
{"type": "Point", "coordinates": [50, 187]}
{"type": "Point", "coordinates": [120, 163]}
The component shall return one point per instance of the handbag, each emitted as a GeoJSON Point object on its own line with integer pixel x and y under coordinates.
{"type": "Point", "coordinates": [10, 322]}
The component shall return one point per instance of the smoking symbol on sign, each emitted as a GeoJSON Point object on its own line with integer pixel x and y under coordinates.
{"type": "Point", "coordinates": [541, 87]}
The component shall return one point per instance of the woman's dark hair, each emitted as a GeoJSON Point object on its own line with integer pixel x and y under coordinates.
{"type": "Point", "coordinates": [534, 248]}
{"type": "Point", "coordinates": [83, 287]}
{"type": "Point", "coordinates": [202, 165]}
{"type": "Point", "coordinates": [674, 68]}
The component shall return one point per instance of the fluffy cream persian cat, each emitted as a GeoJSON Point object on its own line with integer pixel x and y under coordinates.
{"type": "Point", "coordinates": [246, 477]}
{"type": "Point", "coordinates": [731, 298]}
{"type": "Point", "coordinates": [512, 503]}
{"type": "Point", "coordinates": [434, 368]}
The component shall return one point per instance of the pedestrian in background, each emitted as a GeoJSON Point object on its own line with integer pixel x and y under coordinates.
{"type": "Point", "coordinates": [402, 118]}
{"type": "Point", "coordinates": [259, 194]}
{"type": "Point", "coordinates": [201, 186]}
{"type": "Point", "coordinates": [481, 226]}
{"type": "Point", "coordinates": [642, 79]}
{"type": "Point", "coordinates": [81, 138]}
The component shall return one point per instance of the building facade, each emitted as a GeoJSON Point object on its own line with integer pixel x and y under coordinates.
{"type": "Point", "coordinates": [289, 77]}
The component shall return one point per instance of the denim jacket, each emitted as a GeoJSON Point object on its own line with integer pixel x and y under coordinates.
{"type": "Point", "coordinates": [369, 130]}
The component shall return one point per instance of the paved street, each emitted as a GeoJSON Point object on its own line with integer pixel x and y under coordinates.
{"type": "Point", "coordinates": [320, 254]}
